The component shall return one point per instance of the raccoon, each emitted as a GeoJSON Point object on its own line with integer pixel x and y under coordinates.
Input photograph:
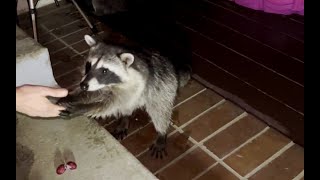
{"type": "Point", "coordinates": [118, 80]}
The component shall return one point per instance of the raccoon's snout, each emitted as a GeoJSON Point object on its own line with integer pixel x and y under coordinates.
{"type": "Point", "coordinates": [84, 86]}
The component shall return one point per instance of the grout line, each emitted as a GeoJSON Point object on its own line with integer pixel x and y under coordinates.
{"type": "Point", "coordinates": [64, 47]}
{"type": "Point", "coordinates": [245, 56]}
{"type": "Point", "coordinates": [56, 51]}
{"type": "Point", "coordinates": [85, 51]}
{"type": "Point", "coordinates": [48, 31]}
{"type": "Point", "coordinates": [133, 132]}
{"type": "Point", "coordinates": [67, 45]}
{"type": "Point", "coordinates": [67, 72]}
{"type": "Point", "coordinates": [204, 112]}
{"type": "Point", "coordinates": [250, 59]}
{"type": "Point", "coordinates": [201, 142]}
{"type": "Point", "coordinates": [53, 52]}
{"type": "Point", "coordinates": [292, 19]}
{"type": "Point", "coordinates": [238, 118]}
{"type": "Point", "coordinates": [253, 20]}
{"type": "Point", "coordinates": [270, 159]}
{"type": "Point", "coordinates": [247, 142]}
{"type": "Point", "coordinates": [142, 152]}
{"type": "Point", "coordinates": [219, 23]}
{"type": "Point", "coordinates": [77, 42]}
{"type": "Point", "coordinates": [138, 129]}
{"type": "Point", "coordinates": [248, 83]}
{"type": "Point", "coordinates": [247, 36]}
{"type": "Point", "coordinates": [81, 54]}
{"type": "Point", "coordinates": [101, 32]}
{"type": "Point", "coordinates": [221, 162]}
{"type": "Point", "coordinates": [214, 133]}
{"type": "Point", "coordinates": [196, 117]}
{"type": "Point", "coordinates": [76, 83]}
{"type": "Point", "coordinates": [54, 10]}
{"type": "Point", "coordinates": [176, 159]}
{"type": "Point", "coordinates": [55, 63]}
{"type": "Point", "coordinates": [299, 176]}
{"type": "Point", "coordinates": [174, 131]}
{"type": "Point", "coordinates": [69, 86]}
{"type": "Point", "coordinates": [65, 25]}
{"type": "Point", "coordinates": [62, 41]}
{"type": "Point", "coordinates": [65, 35]}
{"type": "Point", "coordinates": [189, 98]}
{"type": "Point", "coordinates": [204, 148]}
{"type": "Point", "coordinates": [106, 125]}
{"type": "Point", "coordinates": [205, 171]}
{"type": "Point", "coordinates": [61, 37]}
{"type": "Point", "coordinates": [215, 157]}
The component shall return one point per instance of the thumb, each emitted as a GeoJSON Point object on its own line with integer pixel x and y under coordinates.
{"type": "Point", "coordinates": [55, 92]}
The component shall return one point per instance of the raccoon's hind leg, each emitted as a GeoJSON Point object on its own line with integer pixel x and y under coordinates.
{"type": "Point", "coordinates": [158, 148]}
{"type": "Point", "coordinates": [121, 131]}
{"type": "Point", "coordinates": [161, 120]}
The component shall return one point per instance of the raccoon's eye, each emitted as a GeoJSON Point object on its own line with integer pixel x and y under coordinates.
{"type": "Point", "coordinates": [104, 71]}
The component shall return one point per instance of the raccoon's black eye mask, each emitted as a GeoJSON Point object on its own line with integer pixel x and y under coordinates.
{"type": "Point", "coordinates": [88, 67]}
{"type": "Point", "coordinates": [104, 71]}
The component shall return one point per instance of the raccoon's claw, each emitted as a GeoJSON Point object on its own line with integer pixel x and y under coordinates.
{"type": "Point", "coordinates": [69, 107]}
{"type": "Point", "coordinates": [158, 150]}
{"type": "Point", "coordinates": [64, 114]}
{"type": "Point", "coordinates": [120, 134]}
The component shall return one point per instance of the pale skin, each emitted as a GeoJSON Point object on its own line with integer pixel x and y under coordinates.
{"type": "Point", "coordinates": [32, 100]}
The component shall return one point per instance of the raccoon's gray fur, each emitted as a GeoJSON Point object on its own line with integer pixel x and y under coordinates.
{"type": "Point", "coordinates": [118, 81]}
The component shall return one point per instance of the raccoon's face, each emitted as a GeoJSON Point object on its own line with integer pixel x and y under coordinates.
{"type": "Point", "coordinates": [104, 66]}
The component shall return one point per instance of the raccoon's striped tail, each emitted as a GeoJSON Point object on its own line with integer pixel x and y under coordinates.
{"type": "Point", "coordinates": [184, 76]}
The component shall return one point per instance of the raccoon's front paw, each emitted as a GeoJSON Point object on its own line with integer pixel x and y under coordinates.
{"type": "Point", "coordinates": [65, 114]}
{"type": "Point", "coordinates": [69, 109]}
{"type": "Point", "coordinates": [120, 133]}
{"type": "Point", "coordinates": [65, 100]}
{"type": "Point", "coordinates": [158, 149]}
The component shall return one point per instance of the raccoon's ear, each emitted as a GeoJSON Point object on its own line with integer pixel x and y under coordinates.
{"type": "Point", "coordinates": [89, 40]}
{"type": "Point", "coordinates": [127, 58]}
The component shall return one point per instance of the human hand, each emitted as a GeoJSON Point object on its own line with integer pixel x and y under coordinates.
{"type": "Point", "coordinates": [32, 100]}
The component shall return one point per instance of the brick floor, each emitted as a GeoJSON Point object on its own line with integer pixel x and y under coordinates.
{"type": "Point", "coordinates": [211, 138]}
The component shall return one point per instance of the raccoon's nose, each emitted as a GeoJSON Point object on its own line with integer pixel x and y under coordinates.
{"type": "Point", "coordinates": [84, 86]}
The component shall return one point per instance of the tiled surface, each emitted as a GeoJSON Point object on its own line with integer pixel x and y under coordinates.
{"type": "Point", "coordinates": [177, 145]}
{"type": "Point", "coordinates": [259, 150]}
{"type": "Point", "coordinates": [182, 170]}
{"type": "Point", "coordinates": [211, 138]}
{"type": "Point", "coordinates": [213, 120]}
{"type": "Point", "coordinates": [286, 166]}
{"type": "Point", "coordinates": [218, 172]}
{"type": "Point", "coordinates": [187, 110]}
{"type": "Point", "coordinates": [235, 135]}
{"type": "Point", "coordinates": [252, 51]}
